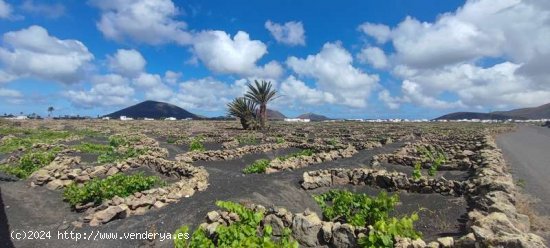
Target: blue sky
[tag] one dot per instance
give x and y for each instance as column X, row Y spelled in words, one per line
column 346, row 59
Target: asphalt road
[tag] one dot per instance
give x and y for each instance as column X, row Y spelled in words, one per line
column 527, row 151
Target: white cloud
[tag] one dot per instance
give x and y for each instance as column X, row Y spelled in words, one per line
column 333, row 70
column 208, row 94
column 513, row 29
column 11, row 96
column 447, row 63
column 172, row 77
column 48, row 10
column 414, row 93
column 373, row 56
column 6, row 77
column 128, row 63
column 153, row 86
column 238, row 55
column 498, row 86
column 107, row 91
column 380, row 32
column 143, row 21
column 5, row 10
column 295, row 90
column 388, row 100
column 32, row 52
column 291, row 33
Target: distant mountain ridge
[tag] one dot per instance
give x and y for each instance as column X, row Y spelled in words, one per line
column 540, row 112
column 313, row 117
column 153, row 109
column 275, row 115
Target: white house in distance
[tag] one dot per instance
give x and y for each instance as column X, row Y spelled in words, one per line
column 124, row 118
column 170, row 119
column 296, row 120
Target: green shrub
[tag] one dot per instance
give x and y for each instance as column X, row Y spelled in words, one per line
column 120, row 148
column 356, row 209
column 87, row 133
column 332, row 142
column 259, row 166
column 31, row 137
column 196, row 144
column 118, row 140
column 363, row 210
column 280, row 140
column 417, row 172
column 93, row 148
column 435, row 156
column 249, row 139
column 97, row 190
column 247, row 232
column 114, row 155
column 30, row 162
column 305, row 152
column 385, row 231
column 12, row 130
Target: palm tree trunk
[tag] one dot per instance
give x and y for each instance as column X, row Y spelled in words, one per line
column 263, row 115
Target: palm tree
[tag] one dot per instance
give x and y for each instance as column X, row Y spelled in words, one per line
column 245, row 110
column 261, row 94
column 50, row 110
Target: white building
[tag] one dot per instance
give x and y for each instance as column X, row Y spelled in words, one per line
column 296, row 120
column 124, row 118
column 170, row 119
column 148, row 119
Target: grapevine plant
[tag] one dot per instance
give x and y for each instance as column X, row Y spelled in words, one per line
column 366, row 211
column 246, row 232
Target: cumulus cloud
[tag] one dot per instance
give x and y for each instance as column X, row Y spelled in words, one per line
column 290, row 33
column 333, row 70
column 172, row 77
column 48, row 10
column 388, row 100
column 128, row 63
column 11, row 96
column 373, row 56
column 106, row 91
column 153, row 86
column 513, row 29
column 6, row 77
column 143, row 21
column 208, row 94
column 297, row 91
column 380, row 32
column 498, row 86
column 32, row 52
column 449, row 56
column 5, row 10
column 238, row 55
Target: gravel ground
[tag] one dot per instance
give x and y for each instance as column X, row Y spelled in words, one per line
column 26, row 208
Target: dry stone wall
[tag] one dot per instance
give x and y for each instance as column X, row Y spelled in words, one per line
column 61, row 172
column 493, row 218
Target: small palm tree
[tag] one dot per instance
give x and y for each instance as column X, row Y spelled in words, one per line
column 245, row 110
column 261, row 94
column 50, row 110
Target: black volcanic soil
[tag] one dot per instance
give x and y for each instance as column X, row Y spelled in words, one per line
column 41, row 209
